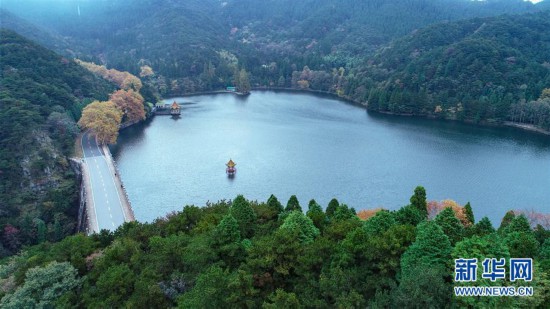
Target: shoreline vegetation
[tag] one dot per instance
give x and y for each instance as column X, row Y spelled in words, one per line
column 487, row 123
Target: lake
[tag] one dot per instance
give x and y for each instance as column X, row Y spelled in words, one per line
column 320, row 147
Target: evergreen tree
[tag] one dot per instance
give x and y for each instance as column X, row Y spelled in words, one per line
column 508, row 217
column 293, row 204
column 343, row 212
column 245, row 216
column 450, row 224
column 41, row 230
column 483, row 227
column 469, row 213
column 227, row 231
column 518, row 224
column 425, row 289
column 210, row 291
column 418, row 200
column 431, row 248
column 298, row 223
column 243, row 85
column 519, row 237
column 380, row 223
column 227, row 241
column 274, row 205
column 316, row 214
column 409, row 215
column 332, row 206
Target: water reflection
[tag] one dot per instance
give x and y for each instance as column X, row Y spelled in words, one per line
column 318, row 147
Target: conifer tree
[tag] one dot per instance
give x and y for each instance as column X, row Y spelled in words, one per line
column 418, row 200
column 469, row 213
column 450, row 224
column 431, row 248
column 274, row 205
column 483, row 227
column 316, row 214
column 298, row 223
column 293, row 204
column 245, row 216
column 508, row 217
column 380, row 223
column 332, row 206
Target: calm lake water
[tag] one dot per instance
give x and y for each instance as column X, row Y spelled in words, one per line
column 319, row 147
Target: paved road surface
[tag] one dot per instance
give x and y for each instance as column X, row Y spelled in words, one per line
column 105, row 196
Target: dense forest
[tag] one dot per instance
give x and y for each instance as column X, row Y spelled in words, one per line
column 42, row 95
column 245, row 254
column 490, row 69
column 476, row 69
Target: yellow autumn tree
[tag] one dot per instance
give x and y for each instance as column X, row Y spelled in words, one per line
column 130, row 103
column 122, row 79
column 102, row 119
column 146, row 71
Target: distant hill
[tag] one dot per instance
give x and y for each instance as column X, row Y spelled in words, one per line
column 46, row 37
column 473, row 69
column 184, row 38
column 42, row 94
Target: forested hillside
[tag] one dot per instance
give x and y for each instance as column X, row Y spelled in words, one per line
column 478, row 69
column 244, row 254
column 42, row 94
column 197, row 45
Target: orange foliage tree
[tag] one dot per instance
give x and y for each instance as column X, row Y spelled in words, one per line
column 366, row 214
column 130, row 103
column 435, row 207
column 103, row 119
column 123, row 80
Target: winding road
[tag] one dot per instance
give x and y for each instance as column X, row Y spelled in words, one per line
column 106, row 199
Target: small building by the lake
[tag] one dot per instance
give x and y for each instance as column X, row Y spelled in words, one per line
column 173, row 109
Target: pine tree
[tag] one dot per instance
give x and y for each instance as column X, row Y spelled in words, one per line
column 298, row 223
column 293, row 204
column 450, row 224
column 469, row 213
column 274, row 205
column 418, row 200
column 431, row 248
column 332, row 206
column 508, row 217
column 380, row 223
column 227, row 231
column 227, row 241
column 245, row 216
column 316, row 214
column 483, row 227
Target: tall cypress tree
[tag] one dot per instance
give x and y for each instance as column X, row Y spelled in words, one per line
column 316, row 214
column 245, row 216
column 293, row 204
column 418, row 200
column 274, row 205
column 469, row 213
